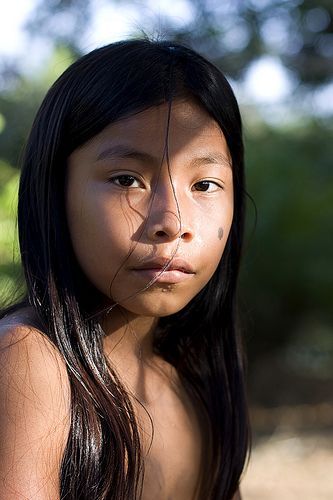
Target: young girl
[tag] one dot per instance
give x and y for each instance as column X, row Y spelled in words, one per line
column 121, row 372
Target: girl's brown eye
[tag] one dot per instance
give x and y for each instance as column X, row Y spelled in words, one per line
column 124, row 180
column 206, row 186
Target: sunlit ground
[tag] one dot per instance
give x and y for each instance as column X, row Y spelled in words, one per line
column 291, row 465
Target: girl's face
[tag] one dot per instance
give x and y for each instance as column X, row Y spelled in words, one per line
column 134, row 206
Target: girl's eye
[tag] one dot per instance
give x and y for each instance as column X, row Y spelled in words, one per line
column 125, row 180
column 206, row 186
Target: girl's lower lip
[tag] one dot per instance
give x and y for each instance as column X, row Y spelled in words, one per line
column 168, row 276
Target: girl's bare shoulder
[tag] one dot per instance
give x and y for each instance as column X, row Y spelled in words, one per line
column 34, row 410
column 25, row 348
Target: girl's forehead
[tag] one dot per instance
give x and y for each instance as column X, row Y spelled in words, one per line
column 183, row 125
column 184, row 129
column 178, row 117
column 183, row 113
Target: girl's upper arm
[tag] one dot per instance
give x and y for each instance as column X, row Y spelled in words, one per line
column 34, row 414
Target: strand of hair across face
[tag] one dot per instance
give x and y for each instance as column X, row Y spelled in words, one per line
column 167, row 264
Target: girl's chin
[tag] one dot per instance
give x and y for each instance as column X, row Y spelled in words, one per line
column 163, row 305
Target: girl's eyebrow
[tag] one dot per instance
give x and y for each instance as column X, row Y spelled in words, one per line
column 212, row 158
column 122, row 151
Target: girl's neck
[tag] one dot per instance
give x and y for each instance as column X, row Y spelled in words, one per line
column 129, row 334
column 128, row 345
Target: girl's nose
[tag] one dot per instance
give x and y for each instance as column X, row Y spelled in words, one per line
column 165, row 226
column 166, row 220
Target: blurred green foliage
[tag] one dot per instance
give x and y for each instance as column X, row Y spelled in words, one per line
column 232, row 33
column 287, row 280
column 9, row 254
column 18, row 106
column 19, row 102
column 288, row 270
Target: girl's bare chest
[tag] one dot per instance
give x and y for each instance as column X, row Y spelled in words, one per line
column 172, row 449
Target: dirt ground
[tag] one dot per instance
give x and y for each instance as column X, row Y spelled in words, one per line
column 290, row 466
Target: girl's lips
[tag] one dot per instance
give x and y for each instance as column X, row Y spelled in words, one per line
column 160, row 276
column 164, row 270
column 167, row 263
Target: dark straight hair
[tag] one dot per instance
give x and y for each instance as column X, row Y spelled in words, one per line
column 103, row 457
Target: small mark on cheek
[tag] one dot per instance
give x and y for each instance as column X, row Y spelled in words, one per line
column 220, row 233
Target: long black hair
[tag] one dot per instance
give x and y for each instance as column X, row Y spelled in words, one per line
column 103, row 457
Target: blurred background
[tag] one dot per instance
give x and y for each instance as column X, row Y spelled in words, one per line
column 278, row 57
